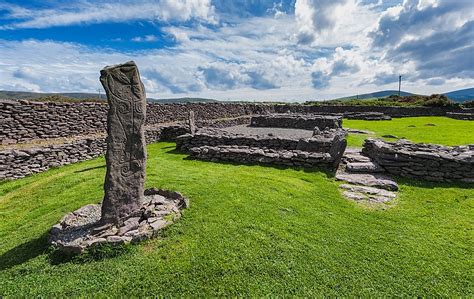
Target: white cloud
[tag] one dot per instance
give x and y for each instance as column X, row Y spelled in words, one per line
column 85, row 12
column 147, row 38
column 262, row 58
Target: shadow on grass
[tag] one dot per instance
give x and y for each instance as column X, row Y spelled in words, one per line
column 57, row 257
column 90, row 168
column 24, row 252
column 415, row 182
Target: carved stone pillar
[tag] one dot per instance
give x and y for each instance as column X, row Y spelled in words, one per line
column 126, row 152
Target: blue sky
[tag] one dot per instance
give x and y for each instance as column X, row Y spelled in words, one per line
column 241, row 49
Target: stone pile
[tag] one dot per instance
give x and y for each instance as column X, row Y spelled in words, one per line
column 297, row 121
column 424, row 161
column 84, row 229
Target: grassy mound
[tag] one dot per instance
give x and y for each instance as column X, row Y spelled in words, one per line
column 250, row 231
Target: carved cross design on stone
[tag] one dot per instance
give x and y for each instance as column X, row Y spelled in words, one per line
column 126, row 155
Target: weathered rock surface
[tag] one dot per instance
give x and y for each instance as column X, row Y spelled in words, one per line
column 126, row 153
column 363, row 167
column 192, row 122
column 83, row 228
column 371, row 180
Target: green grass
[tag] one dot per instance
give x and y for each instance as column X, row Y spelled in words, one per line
column 447, row 131
column 250, row 231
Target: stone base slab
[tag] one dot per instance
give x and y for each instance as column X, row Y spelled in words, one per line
column 82, row 228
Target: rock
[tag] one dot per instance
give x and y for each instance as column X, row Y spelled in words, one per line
column 364, row 167
column 191, row 122
column 126, row 154
column 159, row 224
column 390, row 136
column 371, row 180
column 369, row 190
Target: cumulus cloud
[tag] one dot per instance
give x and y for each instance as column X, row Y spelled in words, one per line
column 89, row 12
column 325, row 49
column 436, row 37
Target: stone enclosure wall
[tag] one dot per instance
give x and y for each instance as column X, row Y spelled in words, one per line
column 297, row 121
column 424, row 161
column 22, row 121
column 19, row 162
column 323, row 149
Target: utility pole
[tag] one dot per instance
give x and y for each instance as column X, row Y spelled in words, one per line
column 399, row 84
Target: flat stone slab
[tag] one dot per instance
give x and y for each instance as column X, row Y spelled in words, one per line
column 364, row 167
column 370, row 180
column 83, row 229
column 369, row 194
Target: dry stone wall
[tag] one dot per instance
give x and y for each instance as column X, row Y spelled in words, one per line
column 461, row 115
column 255, row 155
column 19, row 162
column 297, row 121
column 22, row 121
column 424, row 161
column 390, row 111
column 326, row 148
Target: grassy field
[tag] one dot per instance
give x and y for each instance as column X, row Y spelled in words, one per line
column 250, row 231
column 445, row 131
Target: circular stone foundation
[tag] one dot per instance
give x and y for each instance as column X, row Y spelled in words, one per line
column 82, row 228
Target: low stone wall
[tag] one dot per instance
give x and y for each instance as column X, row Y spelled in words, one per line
column 23, row 121
column 321, row 143
column 424, row 161
column 254, row 155
column 224, row 122
column 367, row 116
column 331, row 142
column 297, row 121
column 462, row 116
column 19, row 162
column 390, row 111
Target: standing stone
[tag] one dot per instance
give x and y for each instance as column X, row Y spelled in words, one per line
column 192, row 122
column 126, row 153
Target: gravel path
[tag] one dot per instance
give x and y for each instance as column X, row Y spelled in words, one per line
column 280, row 132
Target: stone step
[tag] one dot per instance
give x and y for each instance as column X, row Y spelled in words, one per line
column 369, row 190
column 370, row 180
column 363, row 167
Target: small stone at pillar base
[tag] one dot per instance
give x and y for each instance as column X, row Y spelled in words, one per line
column 82, row 229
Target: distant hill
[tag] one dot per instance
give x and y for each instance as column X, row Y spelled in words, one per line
column 461, row 95
column 21, row 95
column 377, row 94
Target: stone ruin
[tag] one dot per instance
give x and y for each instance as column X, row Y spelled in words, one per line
column 424, row 161
column 282, row 139
column 128, row 213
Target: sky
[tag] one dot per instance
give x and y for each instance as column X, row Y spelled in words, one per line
column 261, row 50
